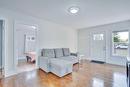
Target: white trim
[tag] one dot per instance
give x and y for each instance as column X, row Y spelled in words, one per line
column 10, row 73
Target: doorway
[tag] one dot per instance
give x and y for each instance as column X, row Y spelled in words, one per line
column 98, row 46
column 25, row 41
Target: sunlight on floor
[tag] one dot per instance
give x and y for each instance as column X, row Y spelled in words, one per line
column 24, row 66
column 98, row 82
column 119, row 78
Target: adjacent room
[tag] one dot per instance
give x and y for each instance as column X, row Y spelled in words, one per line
column 25, row 42
column 64, row 43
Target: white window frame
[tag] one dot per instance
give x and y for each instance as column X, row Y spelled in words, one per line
column 113, row 55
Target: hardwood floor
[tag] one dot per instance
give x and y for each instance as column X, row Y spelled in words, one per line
column 24, row 66
column 86, row 74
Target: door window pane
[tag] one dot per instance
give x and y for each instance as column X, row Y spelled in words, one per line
column 120, row 40
column 98, row 37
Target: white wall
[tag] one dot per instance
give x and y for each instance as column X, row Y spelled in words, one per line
column 55, row 36
column 50, row 35
column 84, row 40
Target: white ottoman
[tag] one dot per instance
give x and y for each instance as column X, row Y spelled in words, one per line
column 60, row 67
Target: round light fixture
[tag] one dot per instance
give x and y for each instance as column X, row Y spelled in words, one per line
column 74, row 10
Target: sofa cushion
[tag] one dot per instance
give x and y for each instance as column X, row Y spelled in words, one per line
column 72, row 59
column 48, row 53
column 66, row 52
column 59, row 62
column 58, row 52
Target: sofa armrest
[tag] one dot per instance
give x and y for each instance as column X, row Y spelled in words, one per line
column 44, row 63
column 45, row 59
column 74, row 54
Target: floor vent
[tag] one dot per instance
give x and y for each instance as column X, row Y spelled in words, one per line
column 100, row 62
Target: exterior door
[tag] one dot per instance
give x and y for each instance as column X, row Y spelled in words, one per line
column 98, row 46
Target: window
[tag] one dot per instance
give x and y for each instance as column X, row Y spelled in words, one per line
column 120, row 40
column 98, row 37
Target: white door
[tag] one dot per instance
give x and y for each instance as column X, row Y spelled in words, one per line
column 98, row 46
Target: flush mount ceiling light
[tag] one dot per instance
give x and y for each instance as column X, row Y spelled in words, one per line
column 73, row 10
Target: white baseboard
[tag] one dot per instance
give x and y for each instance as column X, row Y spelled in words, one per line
column 10, row 73
column 21, row 58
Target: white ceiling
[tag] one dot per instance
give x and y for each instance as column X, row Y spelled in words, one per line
column 92, row 12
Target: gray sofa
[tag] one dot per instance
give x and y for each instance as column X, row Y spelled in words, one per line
column 58, row 61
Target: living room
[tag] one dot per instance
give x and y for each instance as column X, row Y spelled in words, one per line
column 95, row 33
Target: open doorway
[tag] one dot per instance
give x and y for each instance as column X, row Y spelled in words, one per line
column 25, row 39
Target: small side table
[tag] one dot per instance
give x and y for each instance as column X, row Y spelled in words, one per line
column 80, row 58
